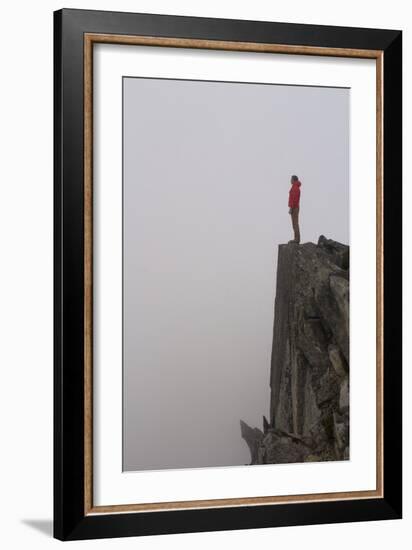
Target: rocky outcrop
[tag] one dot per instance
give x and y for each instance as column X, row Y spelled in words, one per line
column 309, row 379
column 253, row 437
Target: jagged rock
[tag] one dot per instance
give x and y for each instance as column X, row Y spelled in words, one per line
column 253, row 437
column 340, row 291
column 337, row 360
column 313, row 458
column 280, row 448
column 309, row 379
column 340, row 252
column 328, row 388
column 340, row 431
column 344, row 396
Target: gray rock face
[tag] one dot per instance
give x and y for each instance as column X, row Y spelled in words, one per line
column 253, row 437
column 309, row 378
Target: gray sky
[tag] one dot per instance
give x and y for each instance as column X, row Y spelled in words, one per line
column 207, row 169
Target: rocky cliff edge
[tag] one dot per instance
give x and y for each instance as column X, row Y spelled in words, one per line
column 309, row 375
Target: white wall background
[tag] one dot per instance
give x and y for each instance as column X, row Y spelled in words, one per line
column 26, row 143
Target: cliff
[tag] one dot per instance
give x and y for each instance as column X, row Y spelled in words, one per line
column 309, row 377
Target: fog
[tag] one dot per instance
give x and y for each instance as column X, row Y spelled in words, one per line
column 207, row 169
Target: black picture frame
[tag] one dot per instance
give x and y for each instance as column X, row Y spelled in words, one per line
column 71, row 522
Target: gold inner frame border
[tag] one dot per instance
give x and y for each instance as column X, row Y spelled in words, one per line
column 89, row 40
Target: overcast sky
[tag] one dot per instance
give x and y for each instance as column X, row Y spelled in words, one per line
column 207, row 169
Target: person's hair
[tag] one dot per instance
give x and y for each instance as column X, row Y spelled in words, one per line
column 295, row 178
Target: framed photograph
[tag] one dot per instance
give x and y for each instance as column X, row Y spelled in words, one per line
column 228, row 274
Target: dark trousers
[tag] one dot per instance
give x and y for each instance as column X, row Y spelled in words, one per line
column 295, row 223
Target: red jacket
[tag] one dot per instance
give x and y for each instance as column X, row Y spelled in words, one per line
column 294, row 195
